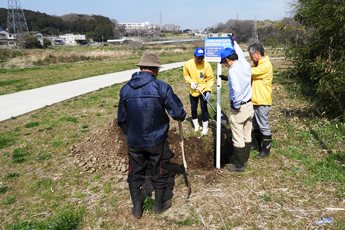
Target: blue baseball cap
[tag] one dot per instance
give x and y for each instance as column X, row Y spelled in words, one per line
column 226, row 52
column 199, row 52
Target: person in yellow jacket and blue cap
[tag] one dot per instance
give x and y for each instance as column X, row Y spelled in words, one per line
column 199, row 76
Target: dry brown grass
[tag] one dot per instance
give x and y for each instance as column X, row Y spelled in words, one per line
column 35, row 58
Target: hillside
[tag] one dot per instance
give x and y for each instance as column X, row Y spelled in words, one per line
column 94, row 26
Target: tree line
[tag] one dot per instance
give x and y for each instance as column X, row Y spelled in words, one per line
column 95, row 27
column 273, row 33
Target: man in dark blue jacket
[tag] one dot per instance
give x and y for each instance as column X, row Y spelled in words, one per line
column 142, row 115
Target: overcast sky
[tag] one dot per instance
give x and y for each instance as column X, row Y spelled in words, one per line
column 193, row 14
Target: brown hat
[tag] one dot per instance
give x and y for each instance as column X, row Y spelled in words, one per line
column 149, row 59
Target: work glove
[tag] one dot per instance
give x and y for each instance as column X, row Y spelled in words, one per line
column 224, row 77
column 193, row 85
column 233, row 39
column 207, row 96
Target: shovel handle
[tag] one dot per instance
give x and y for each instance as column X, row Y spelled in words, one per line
column 185, row 175
column 182, row 145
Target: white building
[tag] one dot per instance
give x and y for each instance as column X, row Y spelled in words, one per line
column 73, row 39
column 7, row 40
column 136, row 25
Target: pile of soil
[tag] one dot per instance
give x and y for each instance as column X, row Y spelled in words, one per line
column 107, row 148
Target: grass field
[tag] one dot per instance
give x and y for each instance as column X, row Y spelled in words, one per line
column 37, row 68
column 40, row 186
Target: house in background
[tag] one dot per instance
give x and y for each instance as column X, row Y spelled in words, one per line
column 73, row 39
column 7, row 40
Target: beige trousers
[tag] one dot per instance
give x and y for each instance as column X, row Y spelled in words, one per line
column 241, row 124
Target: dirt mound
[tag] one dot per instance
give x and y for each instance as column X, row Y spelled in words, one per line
column 107, row 148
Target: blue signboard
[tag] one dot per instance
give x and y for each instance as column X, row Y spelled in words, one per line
column 213, row 47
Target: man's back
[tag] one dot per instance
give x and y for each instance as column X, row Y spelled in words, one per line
column 142, row 110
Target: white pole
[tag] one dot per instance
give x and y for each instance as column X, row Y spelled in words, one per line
column 218, row 137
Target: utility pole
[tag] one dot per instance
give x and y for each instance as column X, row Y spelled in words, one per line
column 255, row 32
column 16, row 22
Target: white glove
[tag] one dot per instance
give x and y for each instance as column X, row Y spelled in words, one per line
column 193, row 85
column 207, row 96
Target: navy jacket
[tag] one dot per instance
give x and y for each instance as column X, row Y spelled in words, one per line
column 142, row 115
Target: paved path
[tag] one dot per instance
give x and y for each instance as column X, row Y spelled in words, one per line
column 15, row 104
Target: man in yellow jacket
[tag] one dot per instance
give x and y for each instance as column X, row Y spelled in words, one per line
column 262, row 76
column 199, row 76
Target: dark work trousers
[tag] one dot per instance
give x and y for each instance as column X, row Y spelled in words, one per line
column 194, row 101
column 159, row 159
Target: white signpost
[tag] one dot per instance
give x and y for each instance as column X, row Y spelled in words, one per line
column 213, row 46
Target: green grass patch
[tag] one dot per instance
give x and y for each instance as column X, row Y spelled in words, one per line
column 107, row 188
column 32, row 124
column 20, row 155
column 3, row 189
column 266, row 197
column 148, row 204
column 190, row 221
column 57, row 143
column 43, row 156
column 6, row 140
column 66, row 220
column 9, row 82
column 69, row 119
column 9, row 200
column 45, row 184
column 11, row 175
column 328, row 169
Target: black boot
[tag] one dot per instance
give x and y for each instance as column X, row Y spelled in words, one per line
column 160, row 203
column 247, row 152
column 138, row 202
column 238, row 160
column 265, row 147
column 256, row 140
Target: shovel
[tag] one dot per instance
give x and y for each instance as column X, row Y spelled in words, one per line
column 185, row 174
column 224, row 119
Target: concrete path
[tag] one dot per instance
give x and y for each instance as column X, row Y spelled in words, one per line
column 15, row 104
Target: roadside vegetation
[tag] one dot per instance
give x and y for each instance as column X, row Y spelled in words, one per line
column 318, row 55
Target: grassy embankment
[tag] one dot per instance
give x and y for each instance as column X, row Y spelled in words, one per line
column 40, row 185
column 22, row 70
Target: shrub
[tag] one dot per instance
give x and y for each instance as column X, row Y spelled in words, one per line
column 318, row 55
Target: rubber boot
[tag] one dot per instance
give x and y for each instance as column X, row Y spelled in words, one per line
column 138, row 202
column 265, row 147
column 238, row 160
column 256, row 140
column 160, row 204
column 169, row 191
column 196, row 125
column 204, row 128
column 247, row 152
